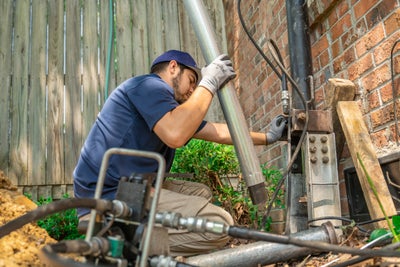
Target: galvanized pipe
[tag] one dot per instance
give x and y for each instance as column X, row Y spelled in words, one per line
column 249, row 163
column 263, row 253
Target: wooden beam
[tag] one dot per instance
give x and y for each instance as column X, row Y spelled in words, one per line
column 338, row 90
column 359, row 142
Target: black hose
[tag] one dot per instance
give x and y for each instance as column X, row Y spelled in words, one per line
column 49, row 254
column 246, row 233
column 359, row 259
column 56, row 206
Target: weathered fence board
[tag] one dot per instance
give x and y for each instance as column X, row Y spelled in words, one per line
column 37, row 108
column 90, row 76
column 124, row 40
column 141, row 59
column 55, row 84
column 19, row 95
column 6, row 9
column 54, row 69
column 73, row 69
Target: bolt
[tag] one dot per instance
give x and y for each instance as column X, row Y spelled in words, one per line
column 325, row 159
column 324, row 139
column 313, row 159
column 313, row 149
column 301, row 116
column 324, row 149
column 312, row 139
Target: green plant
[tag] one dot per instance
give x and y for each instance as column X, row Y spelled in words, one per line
column 209, row 162
column 61, row 225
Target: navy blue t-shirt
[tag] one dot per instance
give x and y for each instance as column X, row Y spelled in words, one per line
column 126, row 121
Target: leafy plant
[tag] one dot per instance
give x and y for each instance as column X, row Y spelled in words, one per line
column 61, row 225
column 212, row 164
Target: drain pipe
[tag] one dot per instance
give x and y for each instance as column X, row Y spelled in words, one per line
column 299, row 48
column 263, row 253
column 301, row 71
column 244, row 147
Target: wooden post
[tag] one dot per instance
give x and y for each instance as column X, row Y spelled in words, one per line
column 338, row 90
column 359, row 142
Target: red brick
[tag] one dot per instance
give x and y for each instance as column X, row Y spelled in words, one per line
column 393, row 22
column 324, row 58
column 370, row 40
column 362, row 7
column 379, row 138
column 343, row 25
column 376, row 78
column 336, row 48
column 359, row 67
column 386, row 93
column 342, row 8
column 373, row 100
column 320, row 46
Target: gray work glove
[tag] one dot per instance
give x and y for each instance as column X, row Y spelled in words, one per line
column 276, row 129
column 217, row 73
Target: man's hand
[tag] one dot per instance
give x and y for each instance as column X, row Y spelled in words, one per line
column 217, row 73
column 276, row 129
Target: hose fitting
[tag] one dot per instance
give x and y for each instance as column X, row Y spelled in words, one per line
column 193, row 224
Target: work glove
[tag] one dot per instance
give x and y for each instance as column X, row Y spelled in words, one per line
column 276, row 129
column 217, row 73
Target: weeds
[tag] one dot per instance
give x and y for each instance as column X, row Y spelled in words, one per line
column 215, row 165
column 61, row 225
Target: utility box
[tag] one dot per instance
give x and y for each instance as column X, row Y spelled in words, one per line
column 357, row 205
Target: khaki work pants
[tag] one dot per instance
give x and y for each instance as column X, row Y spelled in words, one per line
column 192, row 200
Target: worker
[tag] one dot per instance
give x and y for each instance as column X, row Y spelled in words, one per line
column 160, row 112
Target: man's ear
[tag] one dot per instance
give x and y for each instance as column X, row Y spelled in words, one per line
column 173, row 66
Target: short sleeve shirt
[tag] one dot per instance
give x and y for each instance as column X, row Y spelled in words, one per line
column 126, row 121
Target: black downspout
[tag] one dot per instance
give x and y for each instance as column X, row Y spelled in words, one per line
column 301, row 72
column 299, row 48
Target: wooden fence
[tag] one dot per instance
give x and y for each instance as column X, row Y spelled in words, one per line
column 53, row 74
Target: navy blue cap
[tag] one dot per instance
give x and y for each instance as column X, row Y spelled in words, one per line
column 182, row 58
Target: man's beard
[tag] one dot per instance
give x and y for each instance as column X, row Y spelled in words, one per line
column 175, row 86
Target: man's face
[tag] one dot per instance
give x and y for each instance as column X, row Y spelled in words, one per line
column 184, row 83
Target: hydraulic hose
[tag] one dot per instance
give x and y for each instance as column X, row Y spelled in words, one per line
column 49, row 253
column 56, row 206
column 246, row 233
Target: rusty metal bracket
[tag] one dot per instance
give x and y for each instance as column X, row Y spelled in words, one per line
column 319, row 121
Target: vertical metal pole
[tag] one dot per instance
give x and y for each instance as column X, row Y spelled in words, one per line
column 250, row 164
column 301, row 70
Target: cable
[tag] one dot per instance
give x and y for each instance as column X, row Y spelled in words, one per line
column 246, row 233
column 278, row 58
column 361, row 258
column 53, row 207
column 394, row 92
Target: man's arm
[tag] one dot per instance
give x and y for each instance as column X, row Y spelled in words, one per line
column 219, row 133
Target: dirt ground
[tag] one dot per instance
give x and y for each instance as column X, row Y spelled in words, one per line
column 21, row 247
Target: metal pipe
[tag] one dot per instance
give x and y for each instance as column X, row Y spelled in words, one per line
column 244, row 147
column 263, row 253
column 299, row 48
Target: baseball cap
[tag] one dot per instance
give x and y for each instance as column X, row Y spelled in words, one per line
column 182, row 58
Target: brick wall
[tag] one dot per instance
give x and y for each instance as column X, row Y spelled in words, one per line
column 350, row 39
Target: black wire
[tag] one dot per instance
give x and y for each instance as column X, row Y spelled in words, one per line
column 394, row 92
column 254, row 42
column 247, row 233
